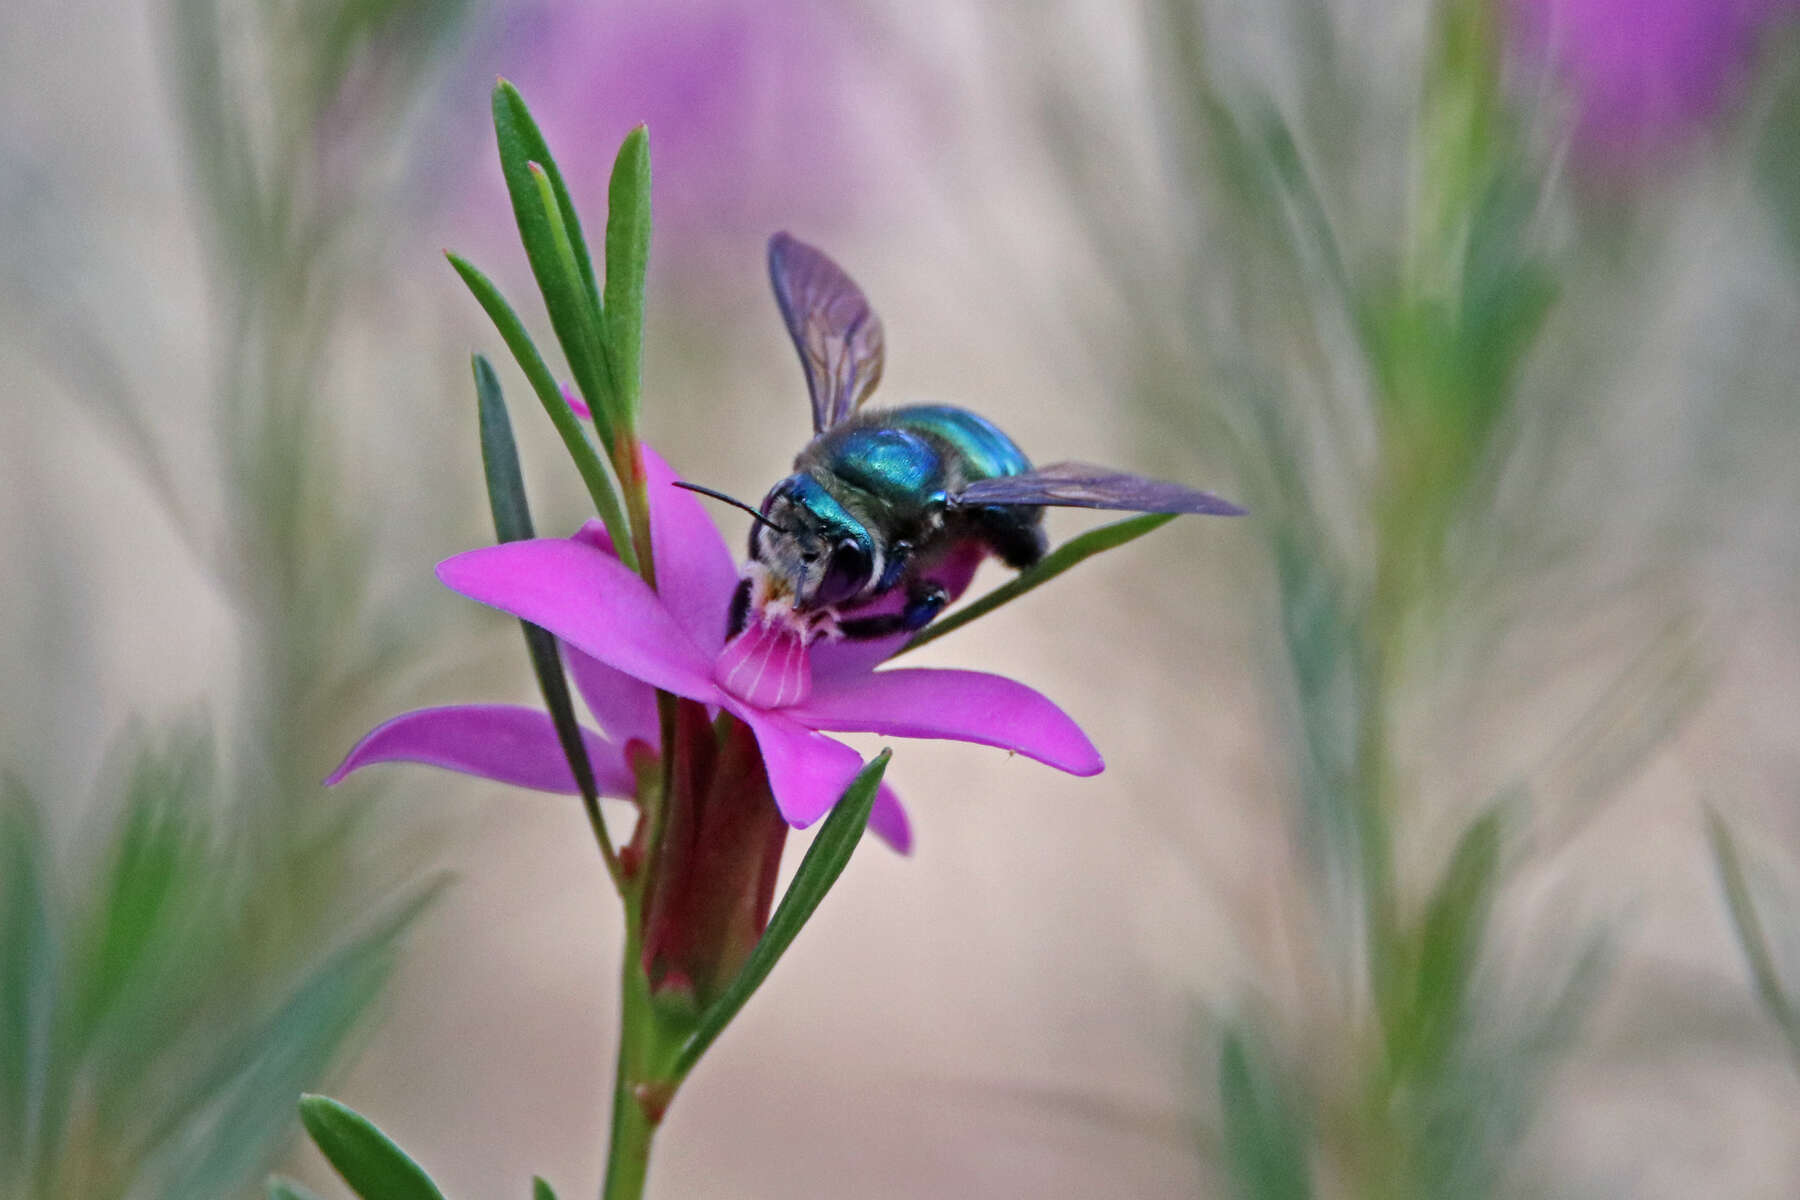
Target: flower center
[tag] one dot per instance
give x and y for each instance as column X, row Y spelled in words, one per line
column 766, row 665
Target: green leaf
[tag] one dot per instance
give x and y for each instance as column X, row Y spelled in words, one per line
column 627, row 261
column 1750, row 935
column 568, row 426
column 541, row 1190
column 825, row 860
column 154, row 930
column 524, row 143
column 551, row 233
column 512, row 523
column 1071, row 552
column 370, row 1163
column 500, row 456
column 237, row 1108
column 28, row 972
column 1264, row 1140
column 1449, row 946
column 605, row 404
column 281, row 1188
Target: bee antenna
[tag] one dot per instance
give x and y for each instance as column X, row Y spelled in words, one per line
column 731, row 500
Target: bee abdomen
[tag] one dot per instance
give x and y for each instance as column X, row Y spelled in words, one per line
column 1015, row 535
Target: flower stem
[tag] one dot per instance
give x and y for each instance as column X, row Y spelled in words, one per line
column 643, row 1081
column 628, row 1154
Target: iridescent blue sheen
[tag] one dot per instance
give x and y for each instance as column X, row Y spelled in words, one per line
column 987, row 453
column 896, row 465
column 832, row 520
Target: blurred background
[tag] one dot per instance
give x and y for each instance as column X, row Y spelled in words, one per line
column 1448, row 845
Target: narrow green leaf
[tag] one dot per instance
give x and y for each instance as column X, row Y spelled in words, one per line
column 1071, row 552
column 526, row 144
column 1748, row 926
column 605, row 405
column 1264, row 1140
column 161, row 916
column 512, row 523
column 370, row 1163
column 281, row 1188
column 500, row 456
column 627, row 261
column 28, row 972
column 236, row 1109
column 551, row 233
column 541, row 1190
column 1450, row 938
column 825, row 860
column 568, row 426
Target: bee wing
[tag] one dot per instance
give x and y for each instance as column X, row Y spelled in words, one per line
column 1083, row 485
column 836, row 332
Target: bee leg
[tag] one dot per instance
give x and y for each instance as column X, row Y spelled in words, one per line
column 924, row 601
column 738, row 615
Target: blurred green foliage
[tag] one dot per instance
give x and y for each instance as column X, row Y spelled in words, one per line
column 141, row 1055
column 1338, row 275
column 169, row 1000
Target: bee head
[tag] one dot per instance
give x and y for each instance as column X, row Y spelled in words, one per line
column 813, row 552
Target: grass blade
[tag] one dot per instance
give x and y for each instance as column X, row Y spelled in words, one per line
column 825, row 860
column 540, row 1190
column 370, row 1163
column 1071, row 552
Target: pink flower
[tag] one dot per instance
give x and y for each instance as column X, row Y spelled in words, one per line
column 754, row 109
column 624, row 639
column 1644, row 72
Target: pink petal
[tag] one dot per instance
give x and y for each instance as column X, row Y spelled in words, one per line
column 807, row 771
column 594, row 534
column 624, row 706
column 766, row 666
column 494, row 741
column 695, row 573
column 589, row 599
column 887, row 821
column 969, row 706
column 573, row 399
column 833, row 660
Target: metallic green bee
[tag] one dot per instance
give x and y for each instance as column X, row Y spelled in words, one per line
column 888, row 511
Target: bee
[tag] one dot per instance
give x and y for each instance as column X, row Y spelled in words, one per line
column 889, row 511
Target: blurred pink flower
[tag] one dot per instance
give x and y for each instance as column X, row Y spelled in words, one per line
column 624, row 640
column 1644, row 73
column 750, row 105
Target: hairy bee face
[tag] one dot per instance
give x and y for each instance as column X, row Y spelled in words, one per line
column 813, row 554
